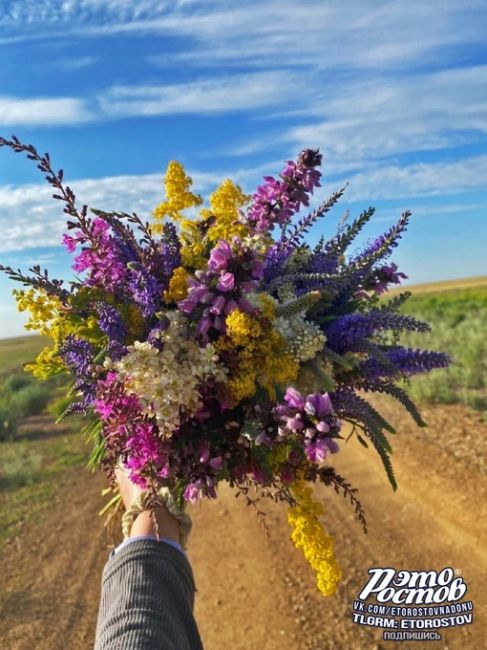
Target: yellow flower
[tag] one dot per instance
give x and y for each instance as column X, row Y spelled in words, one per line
column 225, row 203
column 50, row 318
column 178, row 285
column 178, row 195
column 256, row 356
column 46, row 364
column 241, row 327
column 193, row 255
column 308, row 534
column 44, row 309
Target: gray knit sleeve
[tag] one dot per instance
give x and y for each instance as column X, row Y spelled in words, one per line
column 147, row 599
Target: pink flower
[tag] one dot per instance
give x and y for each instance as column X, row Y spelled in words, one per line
column 220, row 255
column 294, row 398
column 226, row 282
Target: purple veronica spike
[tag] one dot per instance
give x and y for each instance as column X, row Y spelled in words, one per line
column 110, row 322
column 347, row 331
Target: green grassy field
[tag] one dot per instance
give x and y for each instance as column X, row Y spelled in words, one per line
column 458, row 317
column 15, row 352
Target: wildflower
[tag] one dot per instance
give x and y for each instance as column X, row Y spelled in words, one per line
column 308, row 534
column 276, row 201
column 225, row 204
column 178, row 195
column 178, row 286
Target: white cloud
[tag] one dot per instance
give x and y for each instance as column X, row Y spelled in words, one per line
column 77, row 63
column 228, row 93
column 419, row 179
column 373, row 119
column 43, row 111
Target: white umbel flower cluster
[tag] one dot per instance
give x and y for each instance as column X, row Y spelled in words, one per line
column 304, row 339
column 166, row 380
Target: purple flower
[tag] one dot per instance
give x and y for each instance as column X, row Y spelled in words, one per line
column 226, row 282
column 294, row 398
column 404, row 360
column 77, row 354
column 233, row 270
column 103, row 256
column 110, row 322
column 348, row 331
column 310, row 421
column 145, row 290
column 220, row 255
column 276, row 201
column 317, row 450
column 318, row 405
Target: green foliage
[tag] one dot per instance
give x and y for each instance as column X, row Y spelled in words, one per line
column 17, row 381
column 19, row 465
column 8, row 420
column 58, row 406
column 15, row 352
column 30, row 400
column 459, row 327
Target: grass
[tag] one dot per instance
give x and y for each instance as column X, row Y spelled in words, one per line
column 36, row 455
column 458, row 316
column 15, row 352
column 31, row 468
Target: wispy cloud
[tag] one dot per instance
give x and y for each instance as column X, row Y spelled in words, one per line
column 388, row 115
column 420, row 179
column 43, row 111
column 75, row 63
column 227, row 93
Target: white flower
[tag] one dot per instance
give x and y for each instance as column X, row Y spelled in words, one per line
column 166, row 381
column 304, row 339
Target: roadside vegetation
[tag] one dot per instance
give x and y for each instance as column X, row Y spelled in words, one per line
column 458, row 317
column 35, row 453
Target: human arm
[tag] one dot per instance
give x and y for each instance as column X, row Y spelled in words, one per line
column 147, row 593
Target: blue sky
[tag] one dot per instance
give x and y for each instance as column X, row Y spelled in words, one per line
column 393, row 93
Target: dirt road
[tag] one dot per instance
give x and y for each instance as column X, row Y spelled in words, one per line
column 255, row 593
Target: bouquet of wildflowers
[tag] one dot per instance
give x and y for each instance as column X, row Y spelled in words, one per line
column 223, row 347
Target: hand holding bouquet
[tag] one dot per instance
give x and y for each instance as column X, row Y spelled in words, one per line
column 224, row 348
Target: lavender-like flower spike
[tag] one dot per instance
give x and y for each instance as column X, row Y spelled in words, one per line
column 383, row 246
column 404, row 360
column 170, row 249
column 110, row 322
column 276, row 201
column 145, row 289
column 347, row 331
column 77, row 354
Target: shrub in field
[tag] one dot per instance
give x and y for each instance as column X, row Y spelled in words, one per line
column 19, row 465
column 8, row 420
column 31, row 400
column 17, row 381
